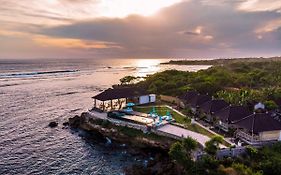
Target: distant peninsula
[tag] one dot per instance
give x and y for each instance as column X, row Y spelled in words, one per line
column 220, row 61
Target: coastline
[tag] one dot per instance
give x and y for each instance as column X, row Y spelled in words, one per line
column 137, row 143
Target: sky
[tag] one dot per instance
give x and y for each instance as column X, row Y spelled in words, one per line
column 139, row 28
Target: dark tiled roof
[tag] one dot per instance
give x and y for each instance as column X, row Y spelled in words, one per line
column 189, row 95
column 196, row 101
column 213, row 106
column 117, row 93
column 259, row 122
column 232, row 113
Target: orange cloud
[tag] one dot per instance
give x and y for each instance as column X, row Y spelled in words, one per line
column 12, row 33
column 73, row 43
column 269, row 26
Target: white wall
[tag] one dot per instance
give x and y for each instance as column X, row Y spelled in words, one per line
column 152, row 98
column 147, row 99
column 144, row 99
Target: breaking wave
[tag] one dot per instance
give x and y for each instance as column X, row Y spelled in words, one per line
column 23, row 74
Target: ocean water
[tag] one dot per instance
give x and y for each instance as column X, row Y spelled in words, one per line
column 33, row 93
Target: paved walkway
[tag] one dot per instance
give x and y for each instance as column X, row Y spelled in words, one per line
column 181, row 132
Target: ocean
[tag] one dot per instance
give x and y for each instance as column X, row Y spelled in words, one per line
column 36, row 92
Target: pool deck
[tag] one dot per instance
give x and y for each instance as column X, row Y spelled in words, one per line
column 169, row 129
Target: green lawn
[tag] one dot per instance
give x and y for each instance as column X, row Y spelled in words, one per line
column 162, row 111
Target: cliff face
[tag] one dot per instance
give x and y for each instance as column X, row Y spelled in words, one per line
column 133, row 137
column 138, row 143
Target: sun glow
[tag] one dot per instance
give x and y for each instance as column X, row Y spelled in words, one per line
column 123, row 8
column 147, row 66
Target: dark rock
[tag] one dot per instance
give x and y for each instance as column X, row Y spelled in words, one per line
column 74, row 122
column 53, row 124
column 65, row 124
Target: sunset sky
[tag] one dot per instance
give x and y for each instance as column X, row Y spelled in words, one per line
column 139, row 28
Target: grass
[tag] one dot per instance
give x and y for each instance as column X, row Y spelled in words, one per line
column 162, row 111
column 199, row 129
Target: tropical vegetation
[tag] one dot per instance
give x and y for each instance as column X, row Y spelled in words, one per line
column 235, row 82
column 256, row 161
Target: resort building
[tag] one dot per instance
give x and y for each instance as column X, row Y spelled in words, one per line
column 197, row 101
column 117, row 98
column 258, row 128
column 186, row 98
column 211, row 107
column 227, row 116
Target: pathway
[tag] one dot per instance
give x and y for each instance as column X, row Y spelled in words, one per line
column 181, row 132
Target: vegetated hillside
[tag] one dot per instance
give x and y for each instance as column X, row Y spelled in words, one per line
column 236, row 82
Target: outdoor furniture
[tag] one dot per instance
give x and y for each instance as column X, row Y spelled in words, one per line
column 153, row 113
column 168, row 116
column 129, row 107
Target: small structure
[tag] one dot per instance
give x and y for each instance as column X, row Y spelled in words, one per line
column 258, row 128
column 211, row 107
column 259, row 106
column 117, row 98
column 227, row 116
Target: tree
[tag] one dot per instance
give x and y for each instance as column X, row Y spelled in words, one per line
column 244, row 170
column 212, row 146
column 127, row 80
column 270, row 105
column 181, row 153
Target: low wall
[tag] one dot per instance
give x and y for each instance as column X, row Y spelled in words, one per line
column 166, row 134
column 123, row 123
column 173, row 100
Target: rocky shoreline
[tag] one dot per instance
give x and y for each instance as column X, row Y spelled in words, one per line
column 137, row 143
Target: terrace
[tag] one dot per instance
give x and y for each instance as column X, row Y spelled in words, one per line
column 247, row 137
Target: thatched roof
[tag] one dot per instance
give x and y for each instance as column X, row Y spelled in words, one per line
column 117, row 93
column 232, row 113
column 259, row 122
column 189, row 95
column 198, row 100
column 212, row 106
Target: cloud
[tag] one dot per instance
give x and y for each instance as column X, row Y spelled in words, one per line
column 73, row 43
column 47, row 12
column 191, row 28
column 261, row 5
column 194, row 28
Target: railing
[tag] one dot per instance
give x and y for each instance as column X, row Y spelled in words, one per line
column 223, row 126
column 247, row 137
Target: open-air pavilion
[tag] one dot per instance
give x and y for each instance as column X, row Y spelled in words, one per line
column 117, row 98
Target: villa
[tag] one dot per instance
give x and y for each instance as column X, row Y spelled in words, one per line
column 227, row 116
column 210, row 107
column 258, row 128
